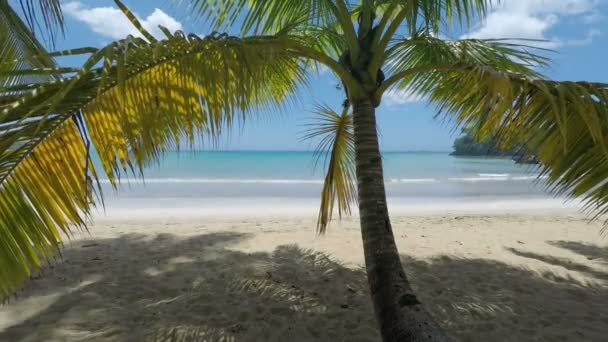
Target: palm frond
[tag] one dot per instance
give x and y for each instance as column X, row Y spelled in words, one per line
column 432, row 14
column 326, row 40
column 336, row 142
column 380, row 8
column 493, row 87
column 133, row 100
column 133, row 19
column 43, row 15
column 414, row 63
column 267, row 16
column 44, row 194
column 423, row 47
column 563, row 124
column 19, row 48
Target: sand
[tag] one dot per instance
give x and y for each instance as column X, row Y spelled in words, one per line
column 509, row 277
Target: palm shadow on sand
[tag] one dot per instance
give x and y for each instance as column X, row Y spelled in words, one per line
column 591, row 252
column 165, row 288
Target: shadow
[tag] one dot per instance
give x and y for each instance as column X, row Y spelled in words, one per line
column 591, row 252
column 563, row 262
column 166, row 288
column 486, row 300
column 138, row 288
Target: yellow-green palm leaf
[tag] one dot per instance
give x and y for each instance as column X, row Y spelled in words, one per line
column 336, row 146
column 493, row 87
column 563, row 124
column 133, row 100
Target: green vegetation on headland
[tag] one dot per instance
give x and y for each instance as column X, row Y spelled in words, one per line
column 466, row 145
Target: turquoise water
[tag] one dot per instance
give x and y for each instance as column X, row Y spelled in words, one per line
column 293, row 174
column 294, row 166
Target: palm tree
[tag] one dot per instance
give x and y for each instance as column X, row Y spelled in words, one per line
column 137, row 97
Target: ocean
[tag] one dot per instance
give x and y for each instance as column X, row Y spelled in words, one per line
column 257, row 182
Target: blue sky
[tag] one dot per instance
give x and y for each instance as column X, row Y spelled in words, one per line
column 576, row 29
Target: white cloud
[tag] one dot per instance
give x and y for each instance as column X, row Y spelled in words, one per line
column 561, row 7
column 515, row 25
column 531, row 19
column 112, row 23
column 401, row 96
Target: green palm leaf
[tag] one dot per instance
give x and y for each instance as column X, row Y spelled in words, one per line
column 49, row 10
column 417, row 63
column 133, row 100
column 429, row 15
column 563, row 124
column 435, row 13
column 19, row 48
column 268, row 16
column 40, row 19
column 336, row 142
column 492, row 86
column 326, row 24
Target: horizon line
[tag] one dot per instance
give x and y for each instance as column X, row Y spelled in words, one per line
column 312, row 151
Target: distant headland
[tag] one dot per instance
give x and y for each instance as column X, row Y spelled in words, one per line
column 467, row 146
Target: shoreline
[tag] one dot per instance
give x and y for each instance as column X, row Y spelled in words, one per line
column 276, row 207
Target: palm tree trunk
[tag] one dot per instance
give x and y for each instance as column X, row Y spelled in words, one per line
column 400, row 315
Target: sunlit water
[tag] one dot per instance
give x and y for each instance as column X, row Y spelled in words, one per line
column 213, row 181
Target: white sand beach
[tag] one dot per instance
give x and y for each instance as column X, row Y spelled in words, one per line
column 485, row 277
